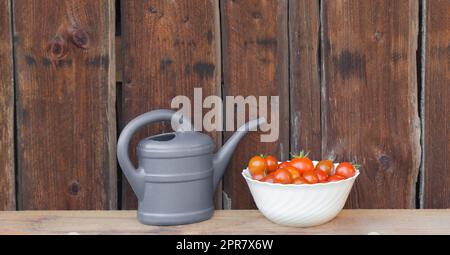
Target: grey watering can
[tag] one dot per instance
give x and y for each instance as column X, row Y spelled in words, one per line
column 177, row 172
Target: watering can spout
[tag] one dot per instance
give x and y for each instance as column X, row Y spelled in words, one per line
column 223, row 156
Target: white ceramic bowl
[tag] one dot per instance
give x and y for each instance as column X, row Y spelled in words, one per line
column 304, row 205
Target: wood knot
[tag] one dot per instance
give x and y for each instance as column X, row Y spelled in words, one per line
column 165, row 63
column 74, row 188
column 350, row 64
column 256, row 15
column 204, row 70
column 80, row 38
column 385, row 161
column 377, row 36
column 57, row 47
column 152, row 9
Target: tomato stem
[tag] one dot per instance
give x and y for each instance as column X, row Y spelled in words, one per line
column 355, row 165
column 302, row 154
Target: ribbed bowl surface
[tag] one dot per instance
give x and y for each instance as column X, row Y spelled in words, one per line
column 303, row 205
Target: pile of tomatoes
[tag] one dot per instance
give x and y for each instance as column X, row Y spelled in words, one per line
column 299, row 170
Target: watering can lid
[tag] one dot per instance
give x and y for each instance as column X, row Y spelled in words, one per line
column 175, row 144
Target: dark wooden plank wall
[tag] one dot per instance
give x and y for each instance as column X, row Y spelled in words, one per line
column 64, row 64
column 169, row 48
column 346, row 71
column 436, row 105
column 7, row 179
column 255, row 62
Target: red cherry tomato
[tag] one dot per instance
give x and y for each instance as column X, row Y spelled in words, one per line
column 258, row 176
column 310, row 177
column 293, row 171
column 300, row 180
column 272, row 163
column 321, row 175
column 257, row 165
column 282, row 176
column 325, row 165
column 284, row 164
column 302, row 163
column 269, row 178
column 345, row 170
column 335, row 178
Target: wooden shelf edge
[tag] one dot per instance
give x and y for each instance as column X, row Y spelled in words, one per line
column 232, row 222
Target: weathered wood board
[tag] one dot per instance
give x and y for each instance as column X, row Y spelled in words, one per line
column 64, row 56
column 169, row 48
column 305, row 87
column 7, row 177
column 436, row 105
column 255, row 63
column 369, row 98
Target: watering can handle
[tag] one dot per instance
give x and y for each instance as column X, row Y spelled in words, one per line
column 136, row 176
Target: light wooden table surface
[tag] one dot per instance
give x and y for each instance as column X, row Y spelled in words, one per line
column 224, row 222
